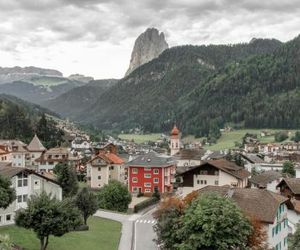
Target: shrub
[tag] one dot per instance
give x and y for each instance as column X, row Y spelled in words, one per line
column 144, row 204
column 140, row 194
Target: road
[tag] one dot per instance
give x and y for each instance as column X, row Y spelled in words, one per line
column 144, row 233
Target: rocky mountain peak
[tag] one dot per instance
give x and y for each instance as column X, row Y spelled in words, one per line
column 148, row 46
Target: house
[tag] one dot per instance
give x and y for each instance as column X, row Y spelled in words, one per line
column 266, row 180
column 189, row 157
column 48, row 159
column 4, row 153
column 267, row 207
column 216, row 172
column 175, row 143
column 18, row 154
column 26, row 183
column 35, row 150
column 151, row 172
column 80, row 143
column 290, row 187
column 105, row 167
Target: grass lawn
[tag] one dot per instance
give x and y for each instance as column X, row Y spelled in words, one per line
column 103, row 234
column 140, row 138
column 228, row 139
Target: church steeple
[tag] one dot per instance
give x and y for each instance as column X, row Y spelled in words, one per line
column 175, row 141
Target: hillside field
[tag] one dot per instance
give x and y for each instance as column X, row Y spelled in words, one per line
column 140, row 138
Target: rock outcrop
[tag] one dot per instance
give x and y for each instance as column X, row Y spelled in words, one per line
column 148, row 46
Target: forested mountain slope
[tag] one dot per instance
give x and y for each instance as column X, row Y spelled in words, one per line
column 153, row 94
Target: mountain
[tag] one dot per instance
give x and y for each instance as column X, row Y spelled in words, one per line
column 148, row 45
column 258, row 92
column 72, row 103
column 36, row 84
column 21, row 120
column 154, row 95
column 27, row 73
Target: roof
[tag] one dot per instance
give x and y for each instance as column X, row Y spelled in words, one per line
column 35, row 145
column 175, row 131
column 264, row 178
column 253, row 158
column 14, row 145
column 110, row 158
column 292, row 183
column 260, row 203
column 190, row 154
column 152, row 159
column 226, row 166
column 9, row 172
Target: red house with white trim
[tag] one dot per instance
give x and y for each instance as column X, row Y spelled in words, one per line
column 149, row 172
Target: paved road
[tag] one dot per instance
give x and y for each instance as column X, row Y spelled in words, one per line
column 144, row 233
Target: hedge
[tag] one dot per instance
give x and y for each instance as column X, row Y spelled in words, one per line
column 146, row 203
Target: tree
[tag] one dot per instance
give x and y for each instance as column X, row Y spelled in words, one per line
column 213, row 222
column 7, row 194
column 114, row 196
column 67, row 178
column 48, row 216
column 295, row 240
column 296, row 138
column 254, row 171
column 87, row 203
column 281, row 136
column 168, row 223
column 289, row 168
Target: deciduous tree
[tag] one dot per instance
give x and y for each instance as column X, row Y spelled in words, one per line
column 289, row 168
column 7, row 194
column 87, row 203
column 48, row 216
column 114, row 196
column 67, row 178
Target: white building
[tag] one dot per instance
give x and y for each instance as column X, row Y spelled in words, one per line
column 35, row 150
column 215, row 173
column 26, row 183
column 267, row 207
column 18, row 154
column 80, row 143
column 266, row 180
column 105, row 167
column 189, row 157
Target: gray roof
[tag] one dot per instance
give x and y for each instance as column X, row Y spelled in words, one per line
column 15, row 145
column 253, row 158
column 35, row 145
column 152, row 159
column 264, row 178
column 190, row 154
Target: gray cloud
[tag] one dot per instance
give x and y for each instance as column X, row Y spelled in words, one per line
column 30, row 24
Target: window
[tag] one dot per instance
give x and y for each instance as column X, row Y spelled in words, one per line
column 156, row 180
column 147, row 184
column 8, row 217
column 203, row 172
column 134, row 170
column 216, row 172
column 198, row 182
column 24, row 197
column 147, row 190
column 20, row 182
column 134, row 189
column 134, row 179
column 99, row 168
column 147, row 169
column 155, row 171
column 111, row 168
column 19, row 198
column 0, row 218
column 216, row 183
column 147, row 175
column 99, row 177
column 203, row 182
column 25, row 182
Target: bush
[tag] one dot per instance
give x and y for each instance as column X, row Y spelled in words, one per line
column 82, row 228
column 144, row 204
column 281, row 136
column 156, row 194
column 140, row 194
column 114, row 196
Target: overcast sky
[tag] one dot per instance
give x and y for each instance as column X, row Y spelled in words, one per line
column 95, row 37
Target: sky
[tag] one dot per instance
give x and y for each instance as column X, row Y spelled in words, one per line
column 96, row 37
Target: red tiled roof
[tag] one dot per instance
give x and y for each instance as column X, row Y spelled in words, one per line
column 175, row 131
column 113, row 158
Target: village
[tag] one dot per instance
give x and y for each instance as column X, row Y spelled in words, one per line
column 254, row 176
